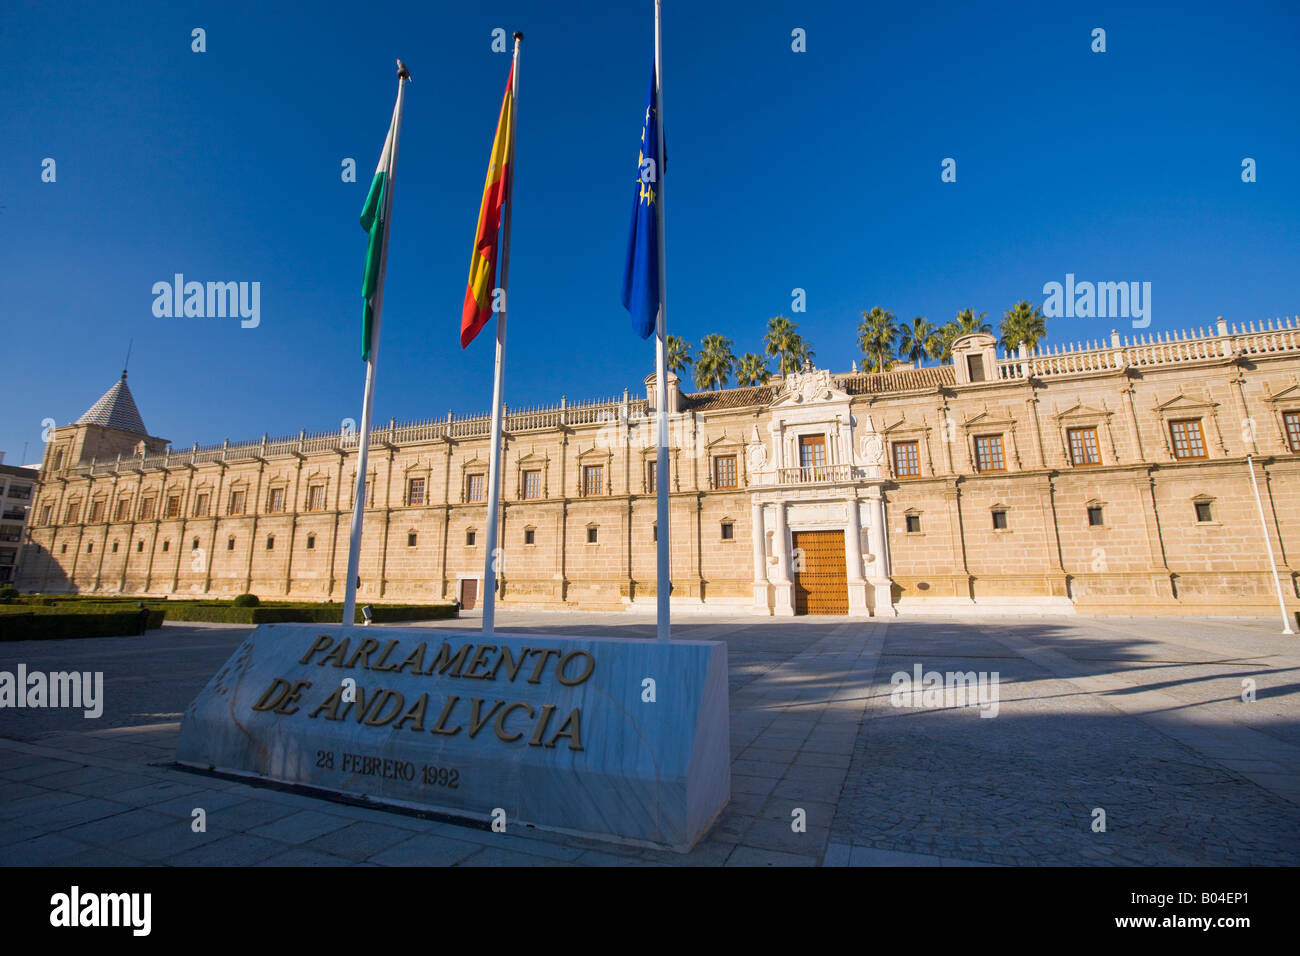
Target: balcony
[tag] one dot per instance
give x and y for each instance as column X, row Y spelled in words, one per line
column 815, row 474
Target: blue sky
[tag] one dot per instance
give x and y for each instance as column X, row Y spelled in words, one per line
column 817, row 170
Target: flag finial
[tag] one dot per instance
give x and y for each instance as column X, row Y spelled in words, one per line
column 402, row 72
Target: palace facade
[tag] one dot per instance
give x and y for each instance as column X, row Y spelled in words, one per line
column 1110, row 477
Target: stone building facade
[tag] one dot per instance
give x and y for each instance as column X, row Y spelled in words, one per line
column 1110, row 477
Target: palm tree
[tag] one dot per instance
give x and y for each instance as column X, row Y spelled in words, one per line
column 714, row 363
column 678, row 354
column 964, row 324
column 920, row 340
column 877, row 335
column 1023, row 323
column 786, row 345
column 752, row 370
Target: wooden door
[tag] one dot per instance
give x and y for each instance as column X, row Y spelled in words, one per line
column 468, row 593
column 822, row 586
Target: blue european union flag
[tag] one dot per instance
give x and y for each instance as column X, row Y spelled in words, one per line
column 641, row 272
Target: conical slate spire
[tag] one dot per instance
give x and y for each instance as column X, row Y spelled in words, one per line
column 115, row 409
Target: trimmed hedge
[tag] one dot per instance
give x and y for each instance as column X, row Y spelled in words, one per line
column 41, row 625
column 222, row 613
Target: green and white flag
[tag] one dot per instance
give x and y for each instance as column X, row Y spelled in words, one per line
column 374, row 217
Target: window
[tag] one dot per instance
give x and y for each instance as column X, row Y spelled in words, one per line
column 146, row 509
column 1083, row 446
column 999, row 519
column 913, row 524
column 174, row 506
column 1188, row 440
column 311, row 542
column 65, row 550
column 654, row 532
column 166, row 545
column 90, row 547
column 593, row 479
column 1203, row 511
column 96, row 511
column 724, row 471
column 275, row 500
column 270, row 542
column 230, row 544
column 410, row 539
column 237, row 502
column 812, row 456
column 533, row 483
column 530, row 536
column 975, row 365
column 651, row 476
column 71, row 515
column 1292, row 422
column 195, row 545
column 316, row 497
column 592, row 534
column 20, row 492
column 469, row 539
column 728, row 531
column 123, row 506
column 58, row 459
column 414, row 491
column 115, row 547
column 907, row 462
column 474, row 487
column 139, row 546
column 988, row 453
column 45, row 514
column 1095, row 519
column 201, row 504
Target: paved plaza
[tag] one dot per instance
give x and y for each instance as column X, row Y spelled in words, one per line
column 1142, row 719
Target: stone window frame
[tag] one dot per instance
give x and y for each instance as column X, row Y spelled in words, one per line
column 1183, row 408
column 908, row 515
column 310, row 542
column 372, row 479
column 412, row 538
column 986, row 424
column 592, row 536
column 1281, row 404
column 122, row 507
column 473, row 468
column 530, row 536
column 47, row 510
column 650, row 455
column 202, row 490
column 230, row 542
column 1288, row 416
column 98, row 510
column 270, row 542
column 530, row 463
column 238, row 486
column 727, row 447
column 1087, row 514
column 148, row 500
column 114, row 548
column 901, row 432
column 281, row 485
column 1208, row 501
column 471, row 537
column 1082, row 416
column 1005, row 511
column 321, row 480
column 72, row 511
column 1001, row 456
column 139, row 546
column 595, row 457
column 179, row 512
column 417, row 471
column 724, row 522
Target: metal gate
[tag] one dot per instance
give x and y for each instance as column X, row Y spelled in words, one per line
column 822, row 586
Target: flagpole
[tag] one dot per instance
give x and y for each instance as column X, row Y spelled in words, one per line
column 663, row 572
column 491, row 564
column 367, row 403
column 1268, row 545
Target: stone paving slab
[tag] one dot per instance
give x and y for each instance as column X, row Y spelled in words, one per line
column 1142, row 717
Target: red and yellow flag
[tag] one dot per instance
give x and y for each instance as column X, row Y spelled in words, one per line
column 483, row 261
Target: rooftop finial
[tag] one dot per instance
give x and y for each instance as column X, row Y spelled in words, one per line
column 127, row 361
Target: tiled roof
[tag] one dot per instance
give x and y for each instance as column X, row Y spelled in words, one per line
column 871, row 383
column 115, row 409
column 730, row 398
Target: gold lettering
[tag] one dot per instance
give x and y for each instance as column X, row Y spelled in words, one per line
column 541, row 663
column 446, row 659
column 416, row 660
column 322, row 642
column 379, row 664
column 547, row 710
column 331, row 703
column 480, row 658
column 501, row 722
column 559, row 668
column 574, row 735
column 475, row 723
column 446, row 712
column 513, row 668
column 416, row 713
column 336, row 655
column 294, row 695
column 361, row 706
column 384, row 699
column 280, row 688
column 368, row 646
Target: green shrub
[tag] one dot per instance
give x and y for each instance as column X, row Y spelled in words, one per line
column 7, row 595
column 39, row 624
column 246, row 600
